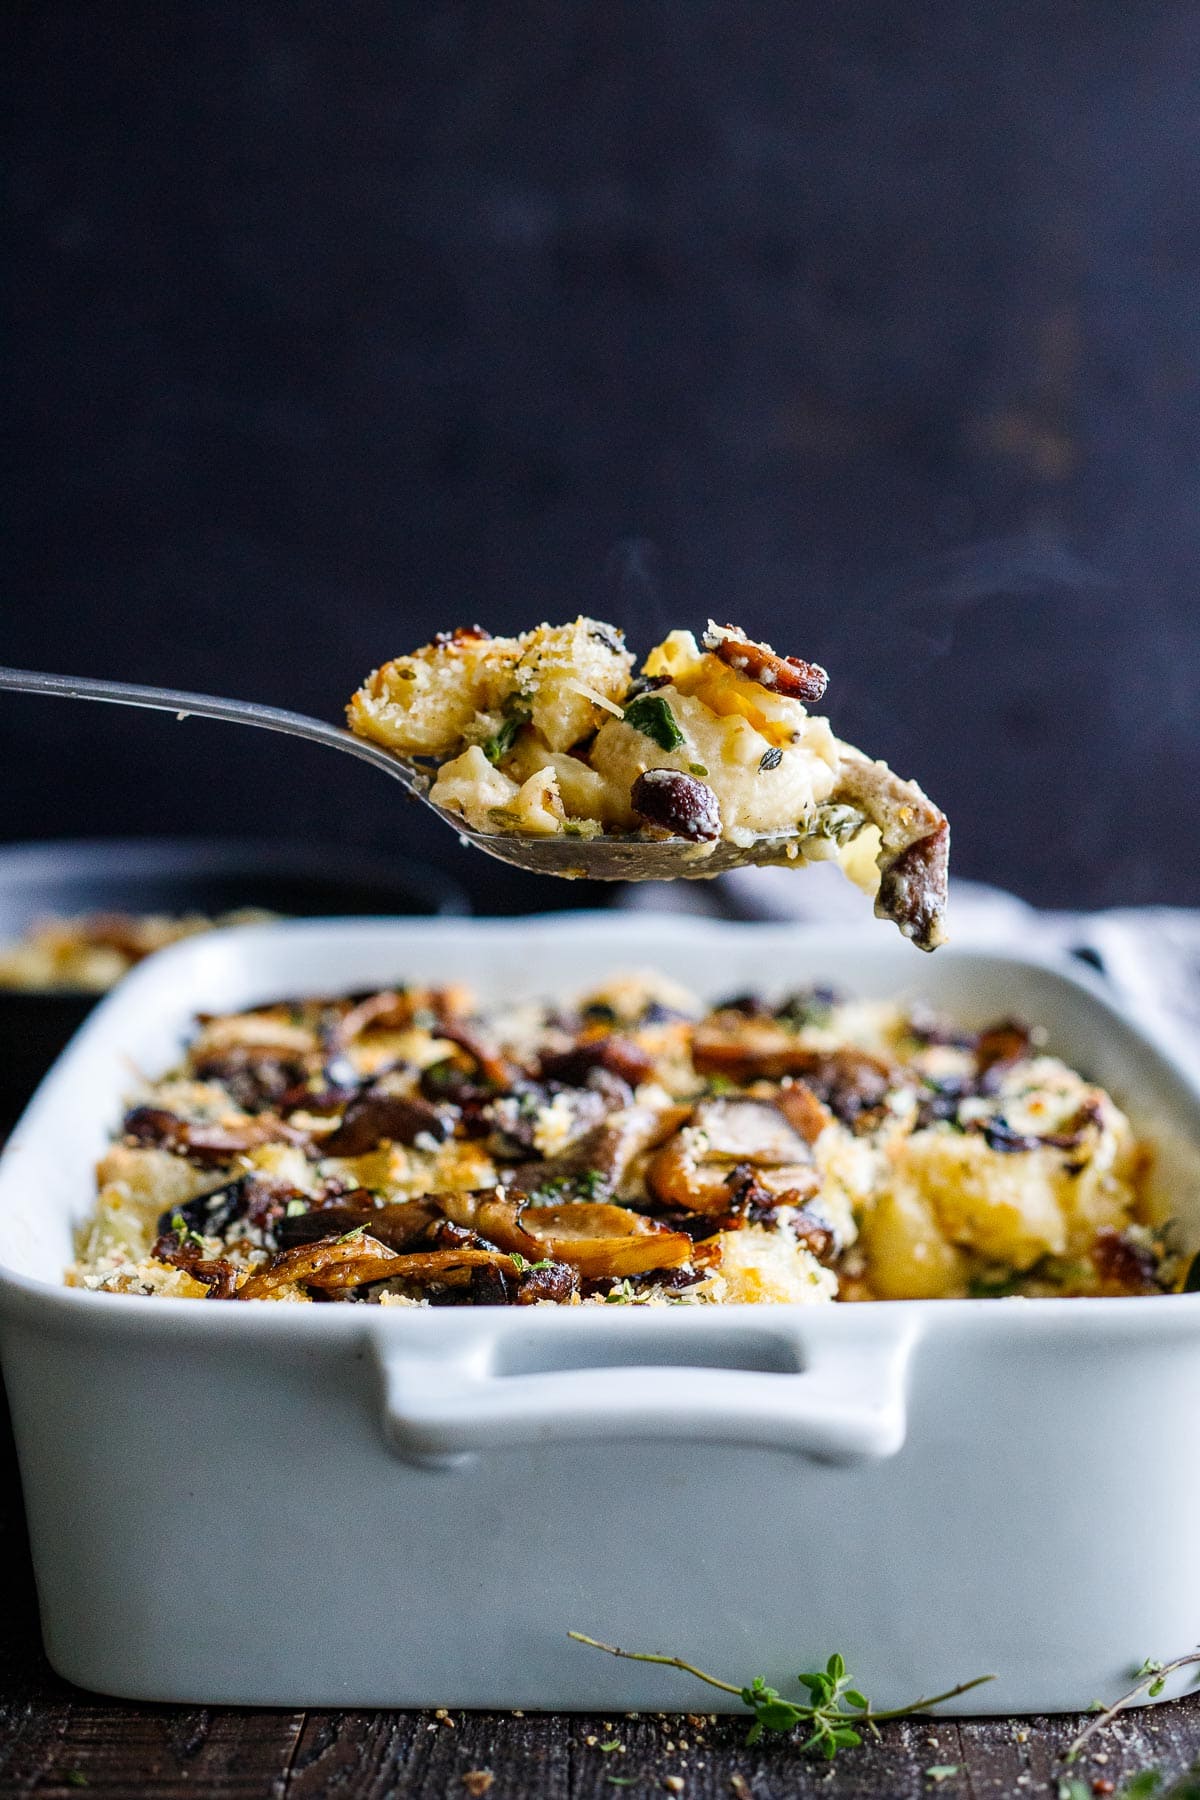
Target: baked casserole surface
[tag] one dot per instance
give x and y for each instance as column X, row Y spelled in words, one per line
column 629, row 1146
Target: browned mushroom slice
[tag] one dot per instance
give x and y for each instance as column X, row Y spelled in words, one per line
column 914, row 853
column 600, row 1240
column 397, row 1226
column 418, row 1266
column 306, row 1262
column 360, row 1259
column 217, row 1273
column 789, row 676
column 494, row 1068
column 207, row 1144
column 613, row 1053
column 1123, row 1265
column 802, row 1109
column 761, row 1196
column 462, row 635
column 256, row 1076
column 392, row 1009
column 691, row 1172
column 608, row 1151
column 849, row 1081
column 750, row 1131
column 493, row 1214
column 376, row 1115
column 999, row 1049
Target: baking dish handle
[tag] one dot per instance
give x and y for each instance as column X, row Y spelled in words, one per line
column 845, row 1401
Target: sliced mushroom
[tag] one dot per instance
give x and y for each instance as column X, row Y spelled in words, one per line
column 357, row 1261
column 495, row 1069
column 397, row 1226
column 495, row 1215
column 997, row 1050
column 312, row 1264
column 256, row 1076
column 217, row 1273
column 751, row 1131
column 788, row 676
column 390, row 1009
column 376, row 1115
column 847, row 1080
column 914, row 851
column 609, row 1150
column 601, row 1240
column 680, row 1175
column 802, row 1109
column 613, row 1053
column 207, row 1144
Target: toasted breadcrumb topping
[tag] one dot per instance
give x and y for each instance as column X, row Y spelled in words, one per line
column 625, row 1147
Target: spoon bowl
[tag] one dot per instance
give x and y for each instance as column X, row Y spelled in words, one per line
column 615, row 858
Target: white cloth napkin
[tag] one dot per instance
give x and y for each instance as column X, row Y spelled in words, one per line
column 1149, row 954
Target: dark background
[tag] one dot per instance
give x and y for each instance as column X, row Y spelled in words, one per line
column 873, row 328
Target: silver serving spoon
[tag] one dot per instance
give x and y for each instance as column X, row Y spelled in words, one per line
column 595, row 859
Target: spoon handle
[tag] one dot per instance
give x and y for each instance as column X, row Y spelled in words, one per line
column 205, row 706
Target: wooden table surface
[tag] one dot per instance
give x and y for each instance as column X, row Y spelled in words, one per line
column 58, row 1740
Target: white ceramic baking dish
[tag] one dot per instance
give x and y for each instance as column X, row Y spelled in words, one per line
column 382, row 1507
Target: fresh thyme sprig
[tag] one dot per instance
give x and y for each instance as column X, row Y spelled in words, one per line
column 1151, row 1678
column 832, row 1714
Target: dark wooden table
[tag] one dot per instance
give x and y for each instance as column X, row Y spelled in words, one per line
column 56, row 1739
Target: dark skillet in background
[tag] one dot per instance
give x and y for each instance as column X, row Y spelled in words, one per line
column 177, row 875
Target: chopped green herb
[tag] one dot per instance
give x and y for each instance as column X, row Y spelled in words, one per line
column 294, row 1208
column 770, row 759
column 622, row 1780
column 697, row 769
column 941, row 1771
column 1071, row 1788
column 184, row 1232
column 440, row 1075
column 651, row 715
column 993, row 1284
column 611, row 1745
column 839, row 823
column 76, row 1778
column 587, row 1184
column 356, row 1231
column 497, row 747
column 523, row 1267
